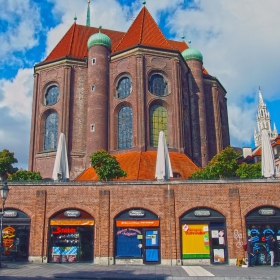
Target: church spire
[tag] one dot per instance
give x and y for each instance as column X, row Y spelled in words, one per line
column 264, row 122
column 88, row 14
column 260, row 97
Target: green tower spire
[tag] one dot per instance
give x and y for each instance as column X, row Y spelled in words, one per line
column 88, row 14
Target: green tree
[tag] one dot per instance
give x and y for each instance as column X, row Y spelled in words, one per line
column 6, row 160
column 222, row 165
column 249, row 171
column 24, row 175
column 106, row 166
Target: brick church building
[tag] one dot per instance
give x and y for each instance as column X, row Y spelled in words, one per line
column 113, row 90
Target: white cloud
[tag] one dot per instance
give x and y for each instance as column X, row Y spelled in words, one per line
column 107, row 13
column 17, row 94
column 240, row 42
column 19, row 30
column 15, row 111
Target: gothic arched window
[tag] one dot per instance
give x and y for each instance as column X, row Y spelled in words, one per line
column 51, row 96
column 51, row 131
column 158, row 122
column 124, row 87
column 157, row 85
column 125, row 128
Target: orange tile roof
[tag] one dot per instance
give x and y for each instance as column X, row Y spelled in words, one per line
column 145, row 32
column 74, row 43
column 258, row 150
column 276, row 142
column 141, row 166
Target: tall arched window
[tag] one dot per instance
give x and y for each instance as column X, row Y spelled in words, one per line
column 124, row 87
column 125, row 128
column 158, row 122
column 51, row 96
column 51, row 131
column 158, row 85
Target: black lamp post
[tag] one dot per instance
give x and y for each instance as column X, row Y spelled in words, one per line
column 4, row 191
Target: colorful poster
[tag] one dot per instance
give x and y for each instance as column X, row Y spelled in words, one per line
column 195, row 241
column 219, row 255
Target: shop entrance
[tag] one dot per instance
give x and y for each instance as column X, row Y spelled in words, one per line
column 151, row 246
column 71, row 237
column 15, row 235
column 137, row 237
column 204, row 236
column 260, row 223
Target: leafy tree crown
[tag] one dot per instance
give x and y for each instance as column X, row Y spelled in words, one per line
column 6, row 160
column 106, row 166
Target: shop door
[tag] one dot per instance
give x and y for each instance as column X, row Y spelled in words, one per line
column 218, row 244
column 151, row 247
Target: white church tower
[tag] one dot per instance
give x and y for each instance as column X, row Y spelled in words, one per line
column 263, row 121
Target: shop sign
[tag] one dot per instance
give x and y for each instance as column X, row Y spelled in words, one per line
column 202, row 213
column 129, row 232
column 267, row 212
column 146, row 223
column 10, row 214
column 136, row 213
column 60, row 230
column 72, row 213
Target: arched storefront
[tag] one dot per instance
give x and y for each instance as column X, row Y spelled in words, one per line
column 203, row 236
column 15, row 235
column 260, row 223
column 71, row 237
column 137, row 237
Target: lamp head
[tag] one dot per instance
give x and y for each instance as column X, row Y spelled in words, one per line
column 4, row 191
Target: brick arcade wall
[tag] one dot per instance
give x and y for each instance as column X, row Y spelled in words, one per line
column 233, row 199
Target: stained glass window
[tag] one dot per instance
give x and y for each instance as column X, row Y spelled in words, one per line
column 158, row 122
column 124, row 87
column 157, row 85
column 51, row 127
column 125, row 128
column 52, row 95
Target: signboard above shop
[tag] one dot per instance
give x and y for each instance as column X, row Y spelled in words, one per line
column 10, row 214
column 72, row 213
column 267, row 212
column 202, row 213
column 136, row 213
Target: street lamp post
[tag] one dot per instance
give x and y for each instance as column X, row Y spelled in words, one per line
column 4, row 191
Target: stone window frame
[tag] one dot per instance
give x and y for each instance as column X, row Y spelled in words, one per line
column 118, row 80
column 127, row 143
column 46, row 89
column 166, row 131
column 44, row 118
column 166, row 80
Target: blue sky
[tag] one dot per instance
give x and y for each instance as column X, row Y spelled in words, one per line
column 239, row 40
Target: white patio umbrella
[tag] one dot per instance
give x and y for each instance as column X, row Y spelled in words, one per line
column 61, row 169
column 163, row 165
column 268, row 162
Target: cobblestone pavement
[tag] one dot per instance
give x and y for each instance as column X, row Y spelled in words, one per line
column 24, row 271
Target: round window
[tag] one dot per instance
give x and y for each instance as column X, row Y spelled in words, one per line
column 124, row 87
column 51, row 96
column 157, row 85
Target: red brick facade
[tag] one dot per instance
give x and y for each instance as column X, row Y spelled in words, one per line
column 88, row 105
column 234, row 200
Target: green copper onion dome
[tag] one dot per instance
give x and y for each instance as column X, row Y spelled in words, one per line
column 99, row 39
column 191, row 53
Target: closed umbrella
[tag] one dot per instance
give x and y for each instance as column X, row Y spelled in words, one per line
column 268, row 163
column 61, row 170
column 163, row 165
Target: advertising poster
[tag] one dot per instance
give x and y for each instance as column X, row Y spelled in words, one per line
column 219, row 255
column 195, row 241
